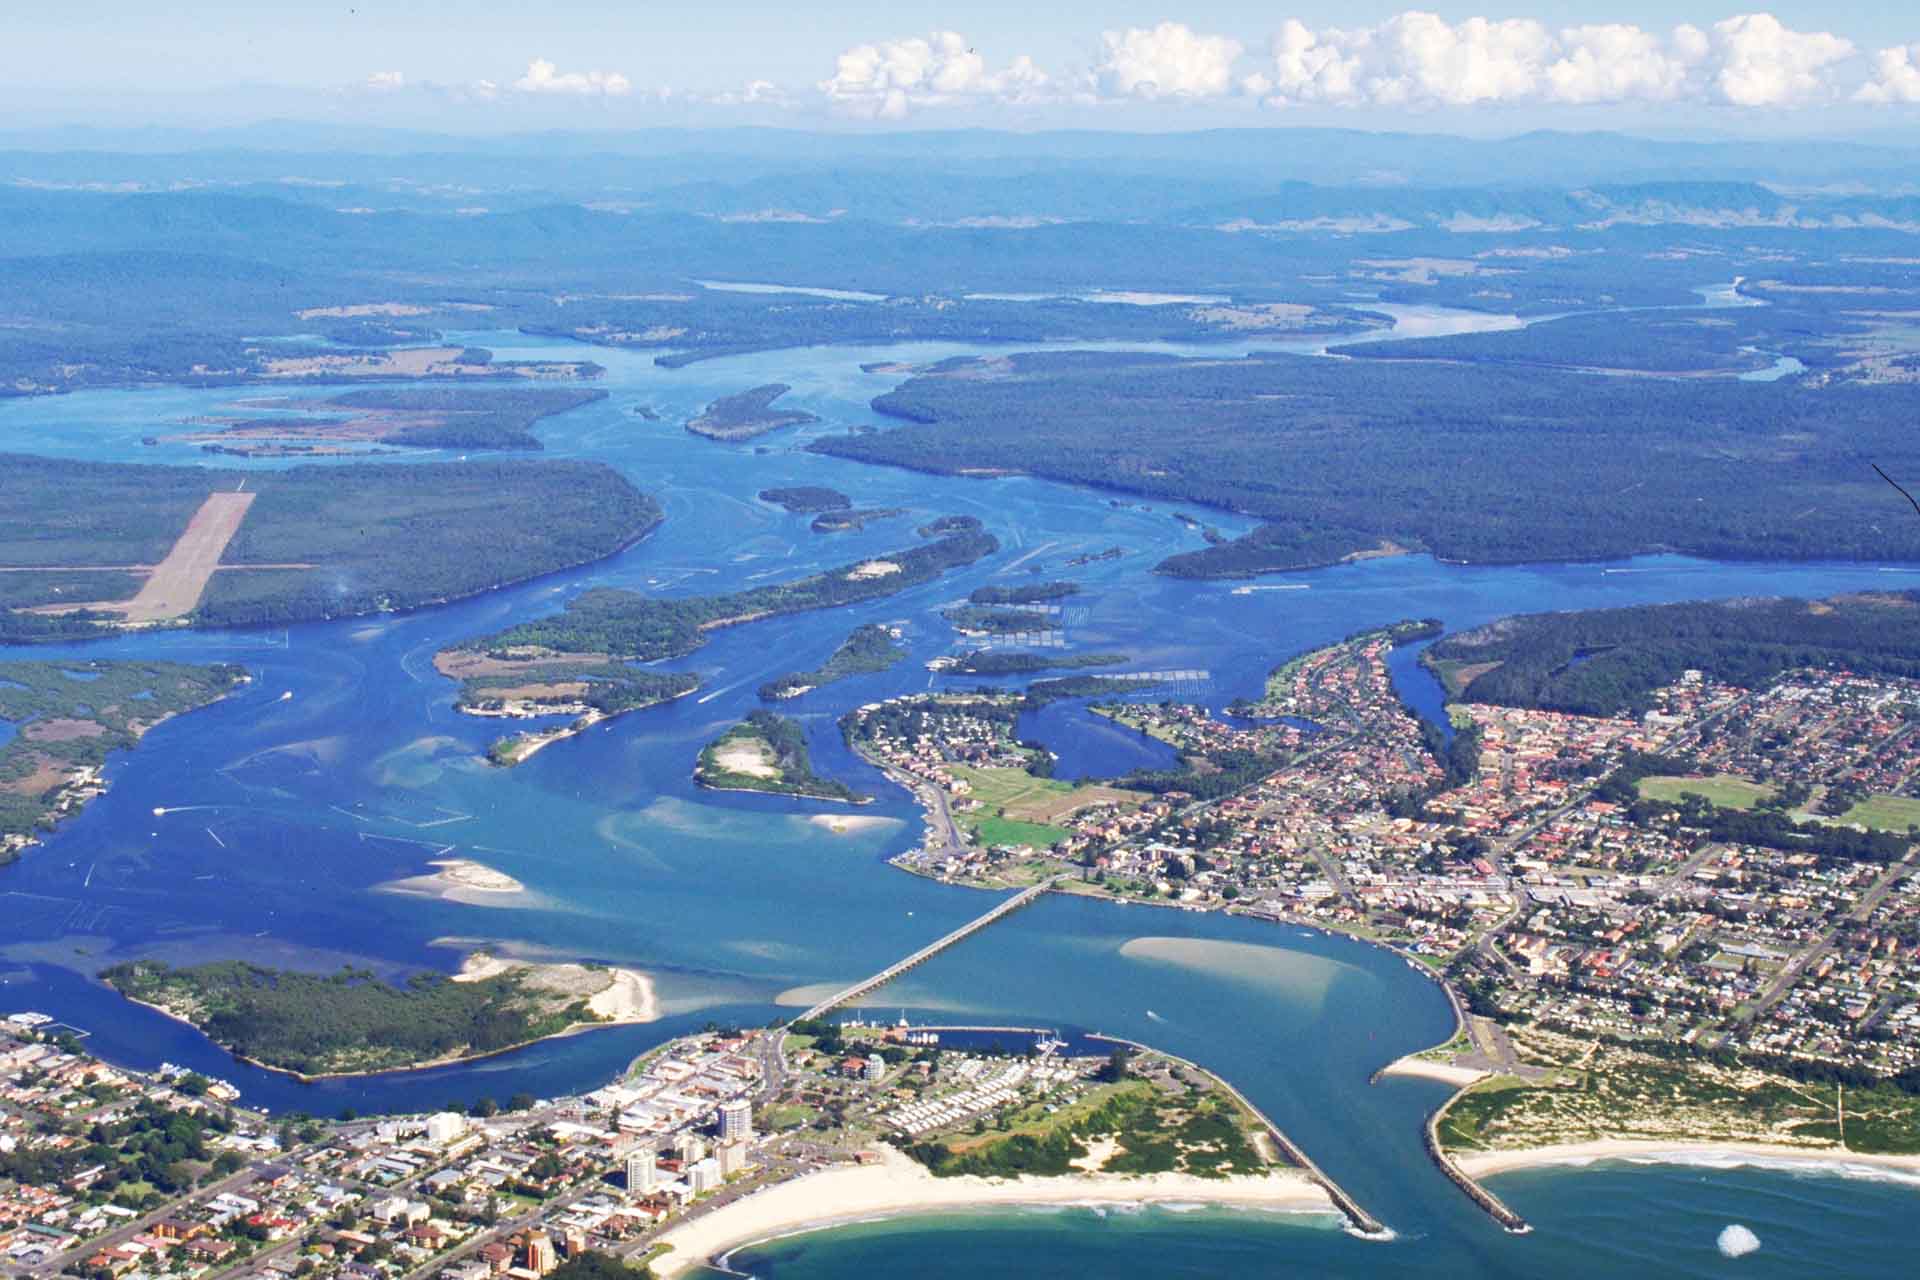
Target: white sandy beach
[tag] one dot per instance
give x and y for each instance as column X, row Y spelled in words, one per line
column 849, row 824
column 897, row 1186
column 1428, row 1069
column 628, row 996
column 1480, row 1164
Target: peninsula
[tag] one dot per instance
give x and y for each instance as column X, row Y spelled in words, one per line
column 69, row 717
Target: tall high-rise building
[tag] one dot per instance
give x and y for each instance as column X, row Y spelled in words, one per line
column 541, row 1259
column 736, row 1120
column 643, row 1174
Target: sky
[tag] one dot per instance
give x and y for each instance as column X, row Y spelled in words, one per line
column 1689, row 67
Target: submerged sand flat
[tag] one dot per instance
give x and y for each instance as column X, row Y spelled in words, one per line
column 898, row 1186
column 1301, row 975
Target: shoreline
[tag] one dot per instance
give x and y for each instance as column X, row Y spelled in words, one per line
column 625, row 981
column 1836, row 1161
column 897, row 1187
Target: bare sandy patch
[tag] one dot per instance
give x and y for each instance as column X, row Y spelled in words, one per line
column 873, row 569
column 749, row 757
column 61, row 730
column 612, row 995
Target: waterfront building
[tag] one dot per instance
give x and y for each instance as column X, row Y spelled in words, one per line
column 736, row 1120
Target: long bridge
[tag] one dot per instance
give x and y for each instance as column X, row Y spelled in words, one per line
column 1006, row 907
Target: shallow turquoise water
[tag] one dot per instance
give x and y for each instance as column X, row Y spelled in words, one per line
column 284, row 814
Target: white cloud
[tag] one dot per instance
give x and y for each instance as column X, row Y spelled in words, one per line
column 543, row 77
column 386, row 81
column 1171, row 60
column 889, row 79
column 1762, row 63
column 1419, row 59
column 1896, row 76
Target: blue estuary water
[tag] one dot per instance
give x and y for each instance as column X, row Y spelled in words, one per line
column 268, row 827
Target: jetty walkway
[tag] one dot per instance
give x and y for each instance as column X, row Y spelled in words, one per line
column 1001, row 910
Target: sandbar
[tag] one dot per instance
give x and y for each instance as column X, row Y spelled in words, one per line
column 461, row 880
column 1428, row 1069
column 897, row 1186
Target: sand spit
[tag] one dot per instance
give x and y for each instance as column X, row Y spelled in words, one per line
column 897, row 1186
column 613, row 995
column 1836, row 1160
column 1428, row 1069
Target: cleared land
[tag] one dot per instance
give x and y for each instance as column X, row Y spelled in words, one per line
column 1017, row 808
column 174, row 588
column 1725, row 791
column 1885, row 813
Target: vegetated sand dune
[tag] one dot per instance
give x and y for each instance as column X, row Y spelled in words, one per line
column 176, row 584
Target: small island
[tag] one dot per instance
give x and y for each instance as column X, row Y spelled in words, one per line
column 352, row 1023
column 529, row 688
column 1009, row 662
column 870, row 648
column 806, row 499
column 747, row 414
column 1027, row 593
column 853, row 520
column 68, row 717
column 766, row 752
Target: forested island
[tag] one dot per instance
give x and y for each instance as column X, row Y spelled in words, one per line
column 767, row 752
column 1344, row 459
column 747, row 414
column 415, row 417
column 68, row 717
column 625, row 624
column 854, row 519
column 589, row 691
column 310, row 543
column 873, row 647
column 350, row 1022
column 1027, row 593
column 1605, row 661
column 1009, row 662
column 806, row 499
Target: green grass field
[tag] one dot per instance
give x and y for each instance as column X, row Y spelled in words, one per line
column 1018, row 808
column 1885, row 813
column 1724, row 791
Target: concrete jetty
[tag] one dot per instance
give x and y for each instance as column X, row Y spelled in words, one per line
column 1492, row 1205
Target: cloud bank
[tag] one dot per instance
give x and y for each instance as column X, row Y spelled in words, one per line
column 1413, row 61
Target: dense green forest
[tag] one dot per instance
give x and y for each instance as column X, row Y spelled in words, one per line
column 470, row 418
column 807, row 498
column 852, row 521
column 378, row 535
column 783, row 744
column 69, row 715
column 611, row 687
column 349, row 1021
column 870, row 648
column 1605, row 661
column 1008, row 662
column 984, row 620
column 746, row 414
column 626, row 624
column 1029, row 593
column 1470, row 463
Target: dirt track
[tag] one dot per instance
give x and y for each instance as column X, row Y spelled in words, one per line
column 175, row 585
